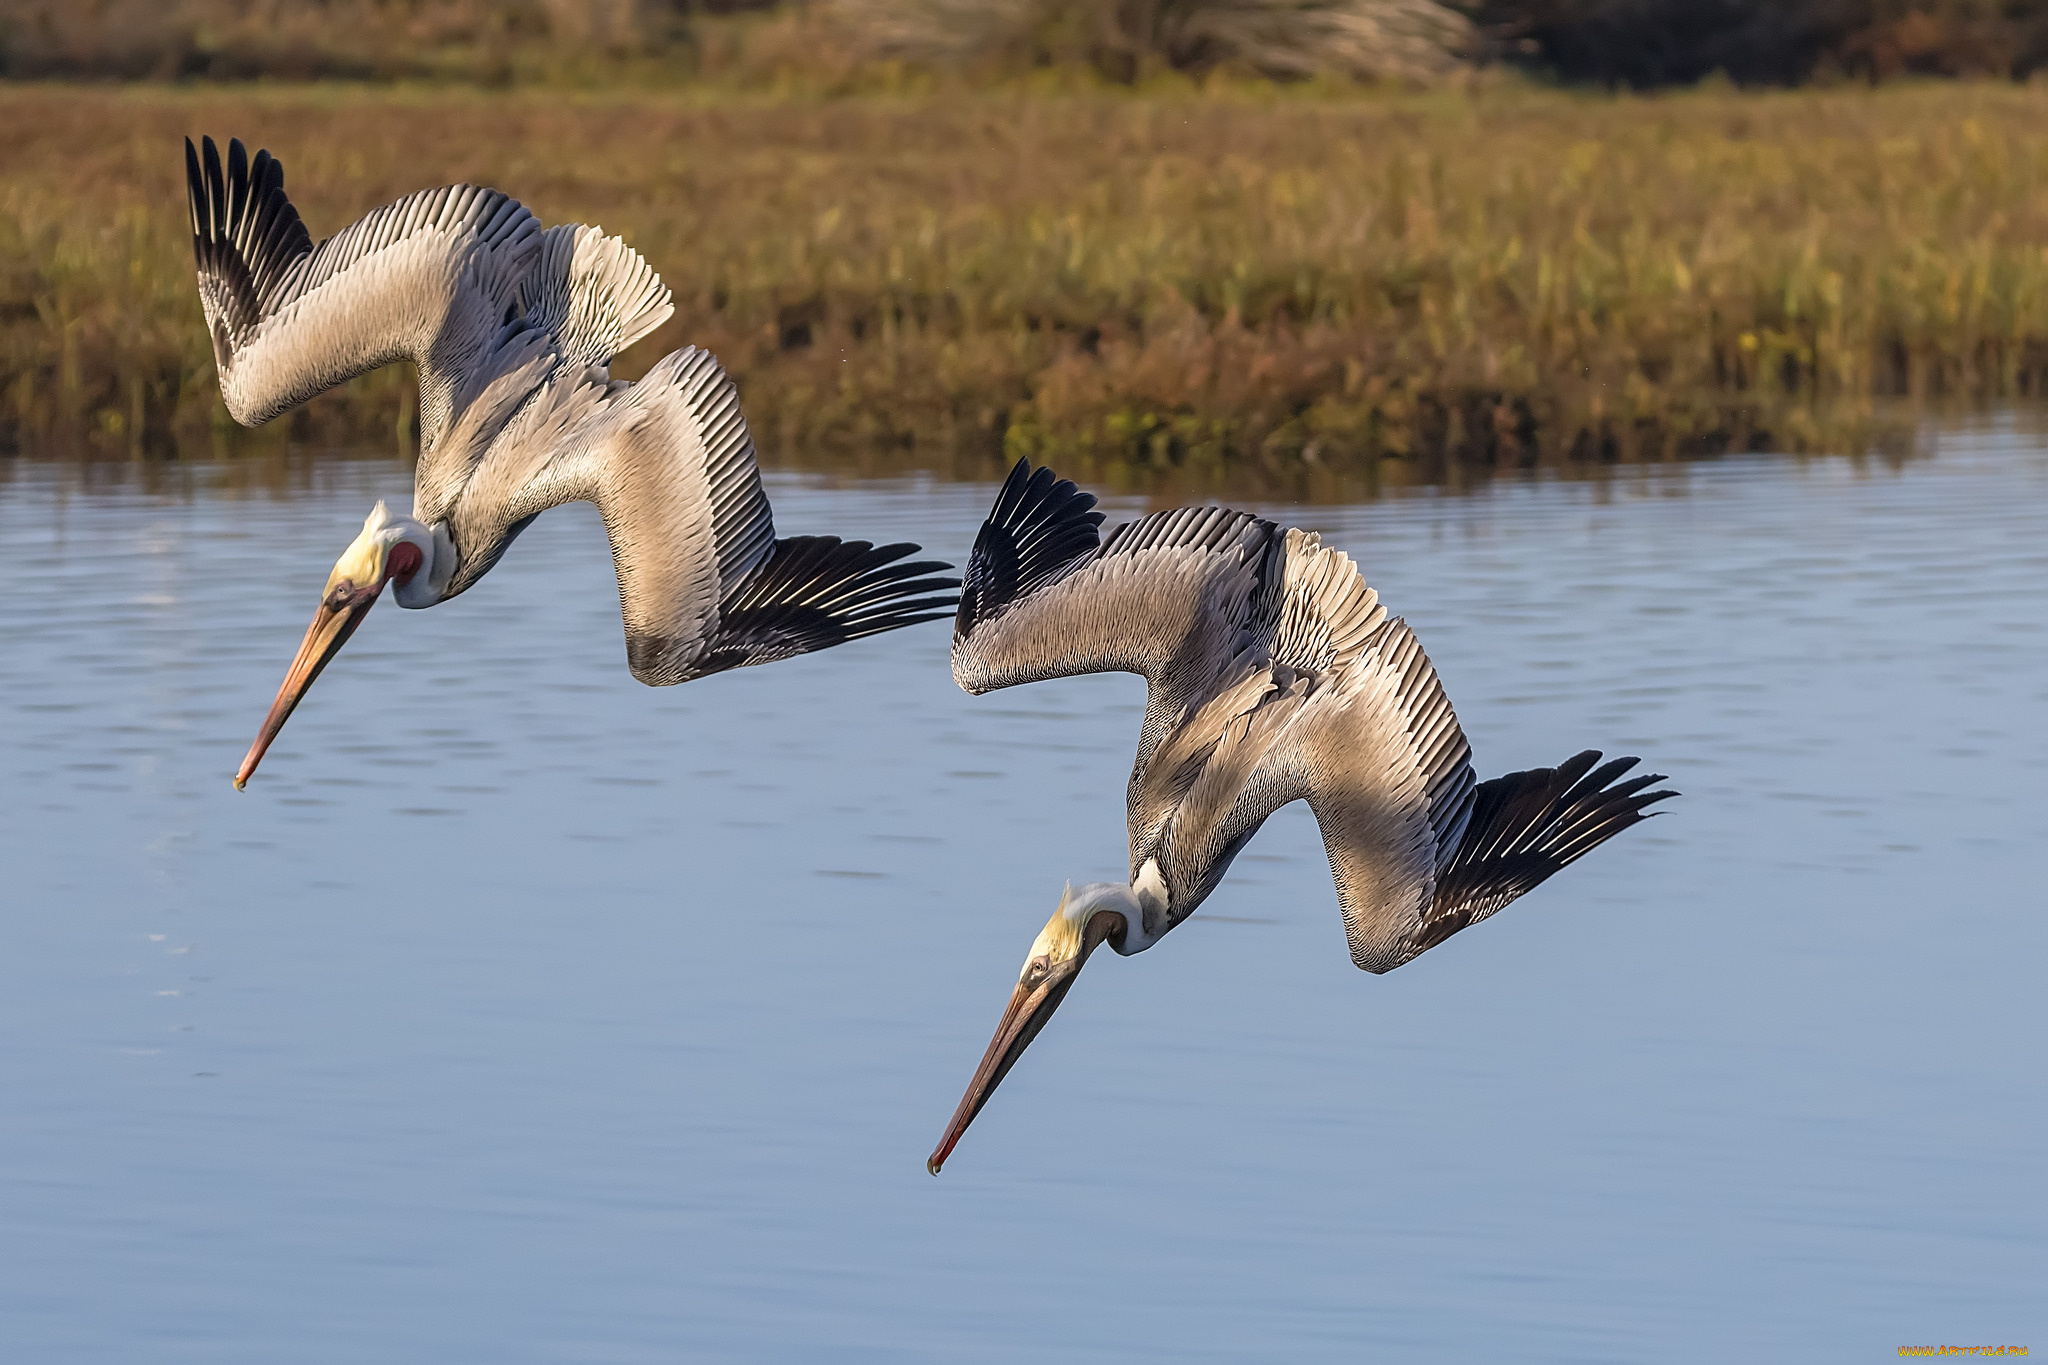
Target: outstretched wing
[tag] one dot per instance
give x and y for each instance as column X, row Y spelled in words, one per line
column 429, row 278
column 1169, row 596
column 1417, row 848
column 1347, row 711
column 704, row 585
column 1388, row 772
column 594, row 294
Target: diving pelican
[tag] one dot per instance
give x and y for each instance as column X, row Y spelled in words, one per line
column 1273, row 675
column 513, row 329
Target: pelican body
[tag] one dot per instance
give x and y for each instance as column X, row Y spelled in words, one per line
column 1273, row 675
column 513, row 328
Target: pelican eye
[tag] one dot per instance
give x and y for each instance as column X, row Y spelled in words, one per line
column 339, row 598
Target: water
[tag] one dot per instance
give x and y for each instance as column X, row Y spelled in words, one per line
column 519, row 1013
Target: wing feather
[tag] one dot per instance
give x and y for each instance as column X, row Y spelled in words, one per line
column 704, row 585
column 1176, row 597
column 1040, row 525
column 644, row 454
column 1349, row 713
column 1169, row 597
column 1525, row 827
column 429, row 278
column 1387, row 770
column 593, row 293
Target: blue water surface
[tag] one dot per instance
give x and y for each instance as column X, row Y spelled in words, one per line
column 520, row 1013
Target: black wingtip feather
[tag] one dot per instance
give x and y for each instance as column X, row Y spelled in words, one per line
column 1040, row 524
column 195, row 188
column 1526, row 826
column 216, row 191
column 814, row 592
column 246, row 235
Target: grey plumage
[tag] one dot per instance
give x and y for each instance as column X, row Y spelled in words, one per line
column 428, row 279
column 1274, row 675
column 513, row 329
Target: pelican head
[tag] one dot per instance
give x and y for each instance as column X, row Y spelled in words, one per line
column 391, row 549
column 1086, row 919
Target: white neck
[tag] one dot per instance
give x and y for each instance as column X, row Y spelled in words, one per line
column 1142, row 904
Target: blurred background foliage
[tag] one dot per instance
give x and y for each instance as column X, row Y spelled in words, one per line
column 1409, row 41
column 1500, row 276
column 490, row 41
column 1636, row 43
column 1295, row 234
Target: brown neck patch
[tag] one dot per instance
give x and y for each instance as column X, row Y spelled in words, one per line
column 403, row 563
column 1104, row 926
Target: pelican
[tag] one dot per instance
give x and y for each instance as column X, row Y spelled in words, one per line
column 513, row 328
column 1273, row 674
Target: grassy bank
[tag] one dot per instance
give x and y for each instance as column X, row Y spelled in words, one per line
column 1179, row 275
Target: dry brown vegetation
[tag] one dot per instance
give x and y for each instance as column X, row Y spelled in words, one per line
column 1634, row 43
column 479, row 41
column 818, row 42
column 1181, row 276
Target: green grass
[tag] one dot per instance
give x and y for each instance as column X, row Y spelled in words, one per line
column 1182, row 276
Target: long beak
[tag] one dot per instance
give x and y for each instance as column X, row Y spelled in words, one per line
column 1027, row 1013
column 324, row 638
